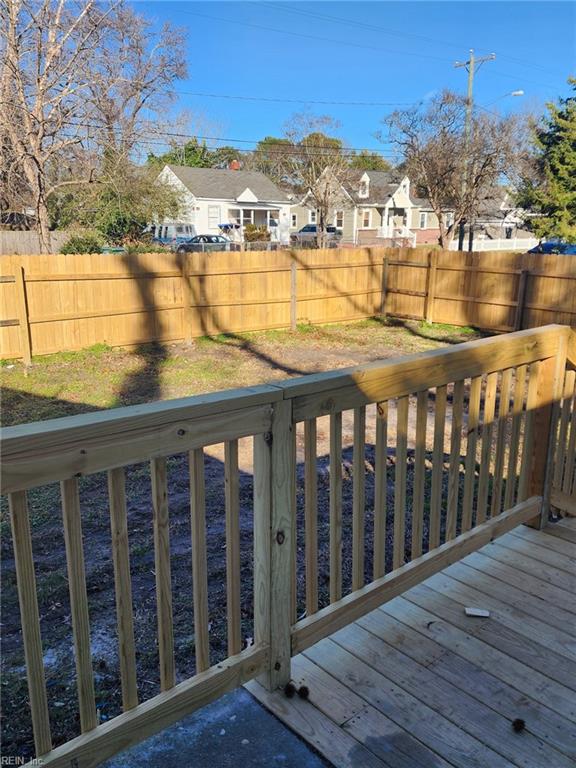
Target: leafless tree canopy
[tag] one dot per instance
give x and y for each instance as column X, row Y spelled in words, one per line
column 78, row 81
column 432, row 143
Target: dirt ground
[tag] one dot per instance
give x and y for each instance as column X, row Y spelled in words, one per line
column 73, row 383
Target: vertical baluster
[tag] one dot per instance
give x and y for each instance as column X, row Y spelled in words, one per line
column 311, row 516
column 570, row 468
column 335, row 507
column 359, row 495
column 437, row 466
column 562, row 441
column 122, row 587
column 471, row 447
column 78, row 602
column 503, row 411
column 199, row 564
column 232, row 503
column 419, row 473
column 517, row 409
column 400, row 481
column 31, row 638
column 380, row 489
column 454, row 466
column 163, row 574
column 486, row 452
column 293, row 531
column 531, row 405
column 262, row 543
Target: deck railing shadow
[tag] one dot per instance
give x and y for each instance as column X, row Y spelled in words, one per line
column 463, row 445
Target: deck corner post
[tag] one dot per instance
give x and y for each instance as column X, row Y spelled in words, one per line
column 274, row 531
column 550, row 380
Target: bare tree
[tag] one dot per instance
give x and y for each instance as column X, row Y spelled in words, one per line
column 317, row 167
column 436, row 156
column 75, row 80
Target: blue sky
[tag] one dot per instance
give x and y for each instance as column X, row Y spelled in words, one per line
column 386, row 52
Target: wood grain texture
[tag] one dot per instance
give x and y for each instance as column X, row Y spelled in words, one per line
column 123, row 587
column 486, row 452
column 517, row 418
column 471, row 446
column 437, row 466
column 380, row 489
column 419, row 473
column 232, row 504
column 78, row 603
column 359, row 498
column 454, row 465
column 31, row 638
column 335, row 507
column 499, row 462
column 400, row 482
column 199, row 559
column 163, row 573
column 311, row 515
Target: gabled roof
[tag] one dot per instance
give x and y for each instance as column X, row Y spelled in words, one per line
column 224, row 184
column 383, row 184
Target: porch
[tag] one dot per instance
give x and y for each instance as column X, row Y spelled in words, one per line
column 417, row 682
column 451, row 450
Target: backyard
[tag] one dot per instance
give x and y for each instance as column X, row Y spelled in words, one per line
column 73, row 383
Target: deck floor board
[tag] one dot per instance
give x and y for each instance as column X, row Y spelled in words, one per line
column 417, row 683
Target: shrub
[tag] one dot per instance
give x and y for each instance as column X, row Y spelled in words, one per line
column 87, row 243
column 254, row 234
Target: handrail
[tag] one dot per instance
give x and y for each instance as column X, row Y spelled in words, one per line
column 524, row 380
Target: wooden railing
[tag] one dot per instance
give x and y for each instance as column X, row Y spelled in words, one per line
column 467, row 441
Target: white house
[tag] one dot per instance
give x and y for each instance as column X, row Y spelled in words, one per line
column 215, row 200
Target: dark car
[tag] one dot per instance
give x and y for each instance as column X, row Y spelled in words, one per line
column 309, row 233
column 204, row 243
column 554, row 246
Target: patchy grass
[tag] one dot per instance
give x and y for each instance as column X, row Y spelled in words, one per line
column 103, row 377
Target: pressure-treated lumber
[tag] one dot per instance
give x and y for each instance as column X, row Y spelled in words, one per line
column 437, row 466
column 400, row 482
column 335, row 507
column 90, row 749
column 232, row 504
column 311, row 629
column 359, row 498
column 78, row 603
column 503, row 408
column 380, row 489
column 471, row 445
column 517, row 416
column 199, row 561
column 486, row 452
column 419, row 473
column 311, row 516
column 31, row 639
column 123, row 587
column 163, row 572
column 454, row 466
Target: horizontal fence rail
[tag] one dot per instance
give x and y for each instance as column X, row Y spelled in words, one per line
column 361, row 483
column 52, row 303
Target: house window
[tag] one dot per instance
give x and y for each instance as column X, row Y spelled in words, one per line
column 248, row 216
column 294, row 220
column 365, row 218
column 312, row 217
column 213, row 216
column 339, row 219
column 423, row 220
column 363, row 190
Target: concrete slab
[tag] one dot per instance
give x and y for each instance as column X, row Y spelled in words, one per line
column 233, row 731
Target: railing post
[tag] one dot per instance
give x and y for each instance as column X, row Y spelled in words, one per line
column 548, row 393
column 23, row 319
column 274, row 477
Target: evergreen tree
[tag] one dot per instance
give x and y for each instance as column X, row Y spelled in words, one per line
column 551, row 190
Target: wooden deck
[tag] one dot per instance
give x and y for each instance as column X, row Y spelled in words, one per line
column 419, row 683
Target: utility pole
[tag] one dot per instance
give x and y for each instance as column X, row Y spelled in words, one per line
column 471, row 65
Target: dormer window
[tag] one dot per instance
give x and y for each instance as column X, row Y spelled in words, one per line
column 364, row 187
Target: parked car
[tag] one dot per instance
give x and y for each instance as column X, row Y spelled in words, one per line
column 554, row 246
column 204, row 243
column 309, row 233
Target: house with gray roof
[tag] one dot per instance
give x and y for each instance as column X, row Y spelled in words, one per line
column 377, row 209
column 215, row 200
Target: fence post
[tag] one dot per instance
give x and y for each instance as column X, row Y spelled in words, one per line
column 430, row 287
column 548, row 393
column 23, row 319
column 383, row 289
column 293, row 294
column 186, row 291
column 521, row 299
column 274, row 478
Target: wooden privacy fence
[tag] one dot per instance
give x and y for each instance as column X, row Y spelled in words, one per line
column 61, row 302
column 480, row 434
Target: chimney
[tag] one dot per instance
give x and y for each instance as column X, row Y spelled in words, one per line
column 234, row 165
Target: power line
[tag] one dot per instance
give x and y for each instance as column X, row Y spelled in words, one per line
column 297, row 101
